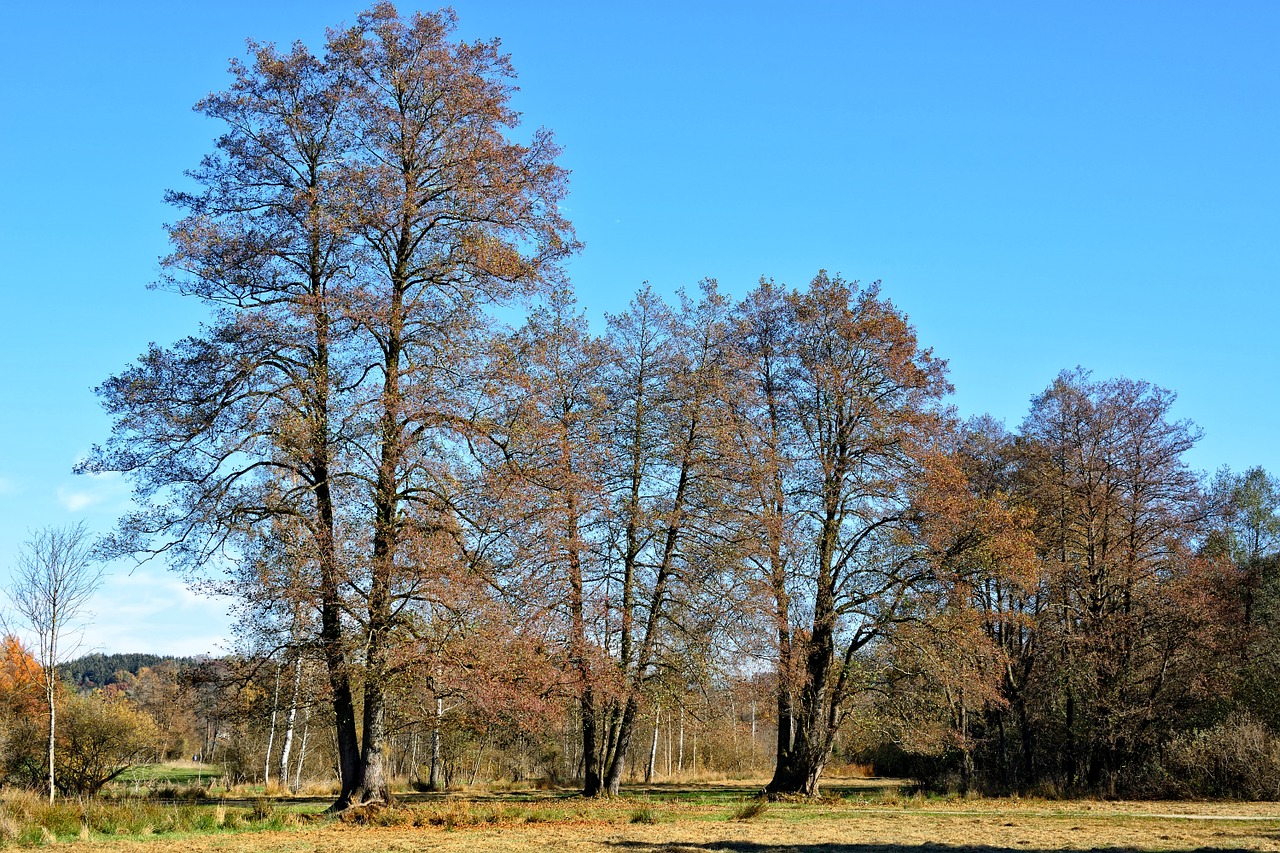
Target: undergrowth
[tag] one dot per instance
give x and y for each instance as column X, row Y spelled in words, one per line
column 27, row 818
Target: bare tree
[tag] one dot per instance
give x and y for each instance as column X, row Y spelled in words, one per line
column 55, row 575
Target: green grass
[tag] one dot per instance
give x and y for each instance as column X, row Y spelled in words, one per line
column 171, row 774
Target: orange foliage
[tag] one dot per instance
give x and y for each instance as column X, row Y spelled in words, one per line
column 21, row 679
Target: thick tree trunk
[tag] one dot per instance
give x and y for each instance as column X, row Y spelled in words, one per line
column 346, row 740
column 373, row 781
column 373, row 788
column 816, row 714
column 386, row 535
column 626, row 727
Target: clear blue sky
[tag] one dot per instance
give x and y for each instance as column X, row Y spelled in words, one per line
column 1038, row 185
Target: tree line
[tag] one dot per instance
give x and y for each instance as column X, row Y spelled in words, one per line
column 425, row 507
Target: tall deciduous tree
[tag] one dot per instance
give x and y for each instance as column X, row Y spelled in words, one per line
column 362, row 212
column 1118, row 511
column 669, row 417
column 54, row 577
column 859, row 509
column 453, row 217
column 242, row 426
column 550, row 410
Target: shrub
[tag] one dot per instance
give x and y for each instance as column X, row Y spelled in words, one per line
column 1238, row 758
column 98, row 738
column 261, row 809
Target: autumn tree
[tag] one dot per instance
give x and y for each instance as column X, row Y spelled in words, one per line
column 234, row 429
column 101, row 738
column 1008, row 605
column 861, row 515
column 161, row 692
column 21, row 679
column 548, row 424
column 55, row 575
column 1118, row 513
column 762, row 440
column 361, row 213
column 668, row 416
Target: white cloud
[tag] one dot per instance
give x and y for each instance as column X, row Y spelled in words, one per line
column 151, row 610
column 93, row 489
column 76, row 501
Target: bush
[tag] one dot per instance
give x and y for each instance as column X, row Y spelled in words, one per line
column 1238, row 759
column 98, row 738
column 261, row 809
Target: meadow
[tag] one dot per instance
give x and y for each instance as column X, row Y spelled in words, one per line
column 862, row 815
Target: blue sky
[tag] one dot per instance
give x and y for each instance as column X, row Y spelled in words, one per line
column 1039, row 185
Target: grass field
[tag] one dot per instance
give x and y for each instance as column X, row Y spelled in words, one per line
column 862, row 816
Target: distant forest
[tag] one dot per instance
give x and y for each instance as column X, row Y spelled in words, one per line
column 98, row 670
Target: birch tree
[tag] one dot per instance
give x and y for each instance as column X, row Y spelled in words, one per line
column 54, row 576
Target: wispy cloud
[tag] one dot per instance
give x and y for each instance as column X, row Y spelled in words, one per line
column 91, row 491
column 75, row 501
column 150, row 610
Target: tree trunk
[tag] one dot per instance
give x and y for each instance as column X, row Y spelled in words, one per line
column 668, row 774
column 434, row 782
column 578, row 650
column 302, row 750
column 49, row 696
column 653, row 746
column 271, row 737
column 373, row 781
column 290, row 720
column 680, row 759
column 346, row 740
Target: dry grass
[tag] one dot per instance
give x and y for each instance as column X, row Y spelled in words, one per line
column 678, row 823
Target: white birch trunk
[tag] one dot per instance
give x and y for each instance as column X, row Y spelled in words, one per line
column 287, row 746
column 434, row 783
column 653, row 746
column 680, row 759
column 271, row 738
column 302, row 749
